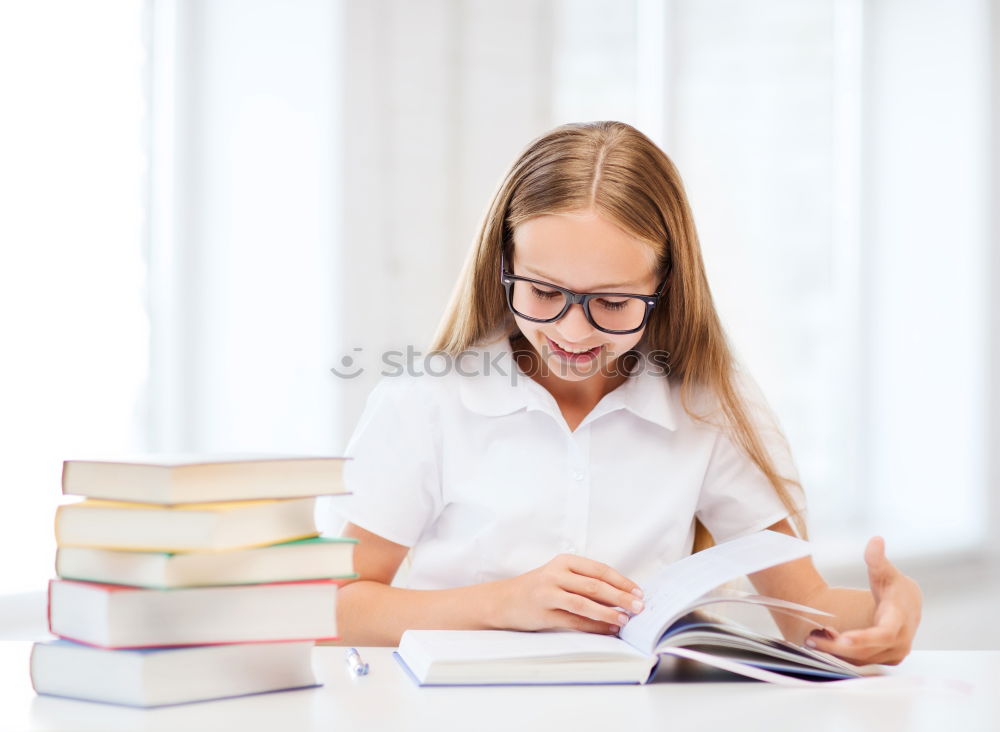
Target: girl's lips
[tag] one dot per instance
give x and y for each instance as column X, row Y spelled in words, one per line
column 583, row 356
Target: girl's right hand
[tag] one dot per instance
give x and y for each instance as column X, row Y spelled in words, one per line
column 567, row 592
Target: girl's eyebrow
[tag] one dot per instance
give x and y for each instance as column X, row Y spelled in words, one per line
column 596, row 288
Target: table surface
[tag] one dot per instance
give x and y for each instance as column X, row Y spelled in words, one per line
column 931, row 690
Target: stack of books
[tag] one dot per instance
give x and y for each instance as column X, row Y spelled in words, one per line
column 184, row 580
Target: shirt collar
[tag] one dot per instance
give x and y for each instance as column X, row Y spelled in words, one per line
column 493, row 385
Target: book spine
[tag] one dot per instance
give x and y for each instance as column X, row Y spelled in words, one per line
column 62, row 476
column 48, row 606
column 31, row 666
column 55, row 526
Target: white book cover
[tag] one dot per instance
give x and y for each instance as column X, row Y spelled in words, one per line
column 112, row 616
column 165, row 676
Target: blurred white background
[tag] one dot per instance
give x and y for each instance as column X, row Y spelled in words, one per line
column 207, row 204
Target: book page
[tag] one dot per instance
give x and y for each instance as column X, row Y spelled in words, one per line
column 495, row 645
column 178, row 459
column 726, row 595
column 741, row 668
column 669, row 593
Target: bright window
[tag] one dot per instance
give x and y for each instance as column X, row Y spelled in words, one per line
column 843, row 220
column 72, row 315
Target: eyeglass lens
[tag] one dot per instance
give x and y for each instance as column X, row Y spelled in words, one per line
column 613, row 313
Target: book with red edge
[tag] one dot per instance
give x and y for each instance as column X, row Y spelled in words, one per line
column 115, row 616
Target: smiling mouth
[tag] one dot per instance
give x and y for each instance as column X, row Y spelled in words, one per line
column 585, row 354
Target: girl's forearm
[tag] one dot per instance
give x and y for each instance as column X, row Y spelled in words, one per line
column 375, row 614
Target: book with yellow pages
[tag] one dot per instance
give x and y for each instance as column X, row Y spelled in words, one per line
column 184, row 527
column 291, row 561
column 203, row 478
column 673, row 625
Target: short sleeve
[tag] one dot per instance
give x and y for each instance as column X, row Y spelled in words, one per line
column 393, row 475
column 736, row 497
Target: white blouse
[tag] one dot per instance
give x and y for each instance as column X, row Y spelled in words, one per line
column 477, row 471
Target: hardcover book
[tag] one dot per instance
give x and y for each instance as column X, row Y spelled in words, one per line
column 184, row 478
column 162, row 676
column 292, row 561
column 184, row 527
column 112, row 616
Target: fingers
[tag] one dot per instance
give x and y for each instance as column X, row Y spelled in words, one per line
column 878, row 644
column 880, row 569
column 587, row 608
column 563, row 619
column 600, row 591
column 588, row 593
column 600, row 571
column 870, row 639
column 860, row 655
column 888, row 653
column 875, row 551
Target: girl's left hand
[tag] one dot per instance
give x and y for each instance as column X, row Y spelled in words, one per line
column 894, row 622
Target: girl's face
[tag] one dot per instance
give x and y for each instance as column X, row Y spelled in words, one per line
column 583, row 252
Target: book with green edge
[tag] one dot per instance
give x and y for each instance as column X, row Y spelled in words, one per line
column 293, row 561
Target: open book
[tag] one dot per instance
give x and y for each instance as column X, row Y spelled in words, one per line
column 673, row 624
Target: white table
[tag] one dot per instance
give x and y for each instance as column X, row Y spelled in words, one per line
column 932, row 690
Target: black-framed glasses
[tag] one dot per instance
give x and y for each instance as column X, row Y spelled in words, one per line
column 617, row 313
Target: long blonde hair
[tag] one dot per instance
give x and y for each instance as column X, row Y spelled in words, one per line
column 614, row 169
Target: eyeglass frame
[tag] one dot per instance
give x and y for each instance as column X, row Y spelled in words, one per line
column 571, row 298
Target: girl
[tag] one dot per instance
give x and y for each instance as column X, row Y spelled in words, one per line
column 581, row 424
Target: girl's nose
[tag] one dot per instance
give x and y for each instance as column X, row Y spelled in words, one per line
column 574, row 326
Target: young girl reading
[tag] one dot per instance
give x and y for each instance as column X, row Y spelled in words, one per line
column 581, row 423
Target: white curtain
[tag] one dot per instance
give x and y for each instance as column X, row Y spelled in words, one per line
column 73, row 325
column 209, row 205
